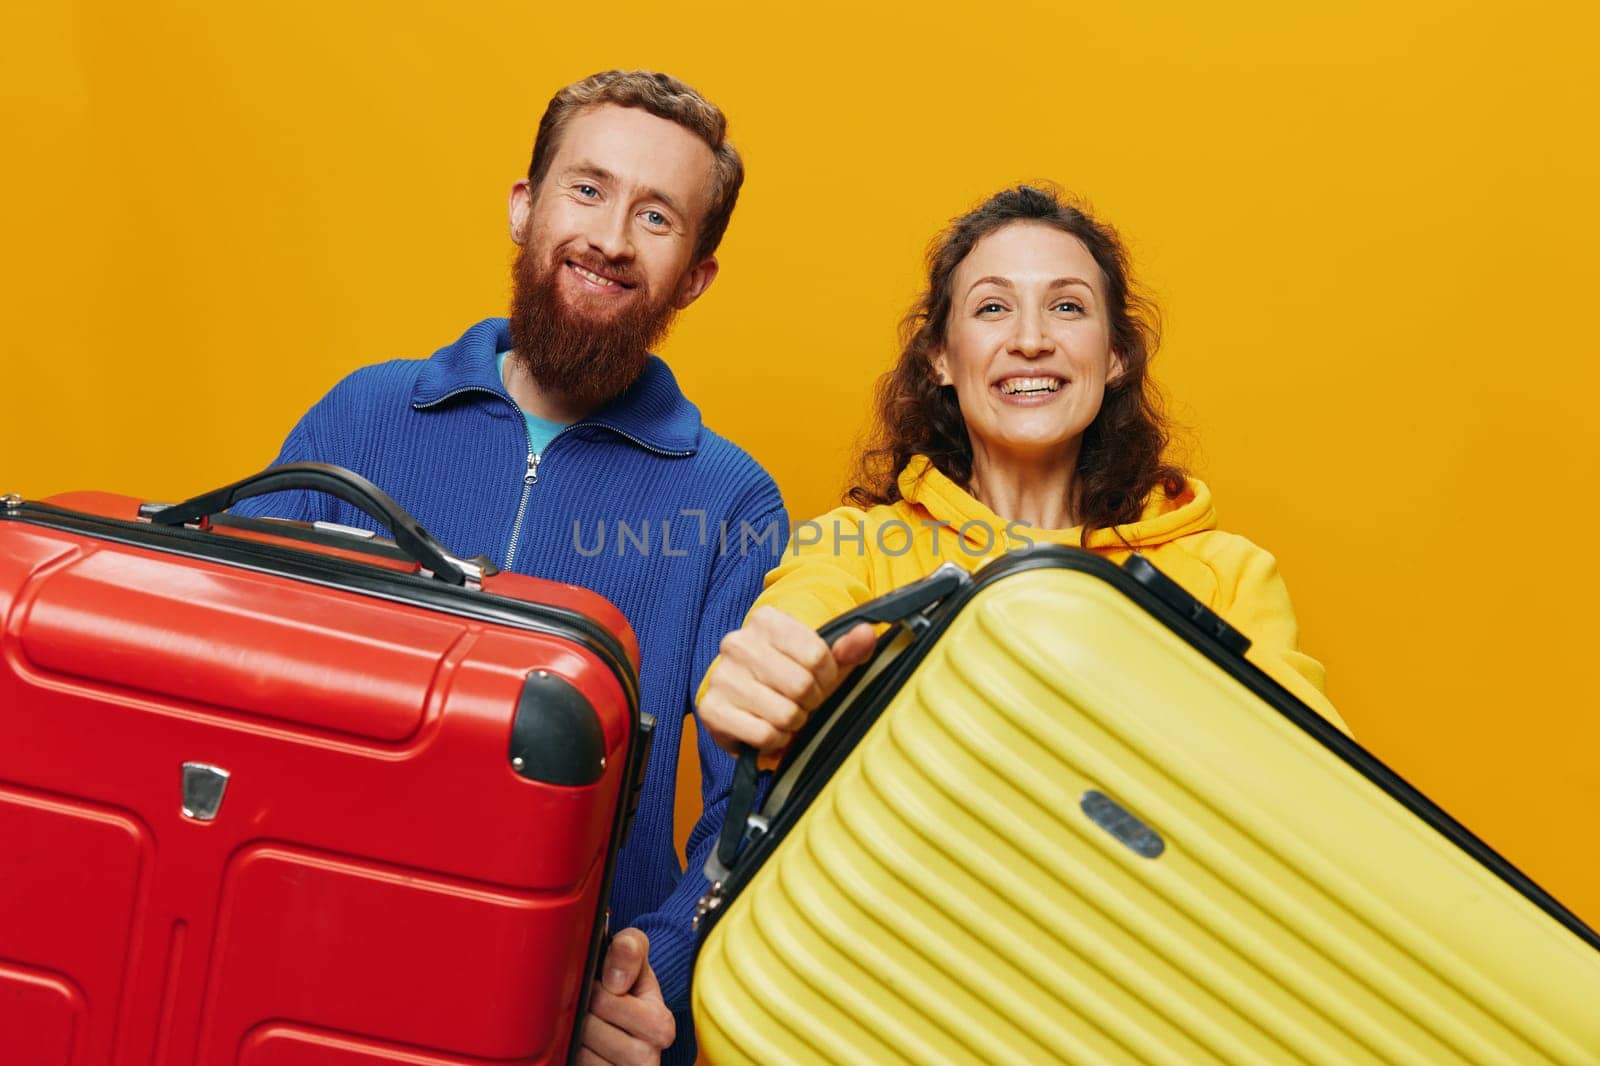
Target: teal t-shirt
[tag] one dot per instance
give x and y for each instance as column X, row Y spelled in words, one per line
column 541, row 431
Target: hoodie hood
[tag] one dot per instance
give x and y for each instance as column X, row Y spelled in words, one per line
column 1165, row 518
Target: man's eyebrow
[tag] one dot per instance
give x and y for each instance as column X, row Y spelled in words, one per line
column 588, row 169
column 595, row 170
column 670, row 204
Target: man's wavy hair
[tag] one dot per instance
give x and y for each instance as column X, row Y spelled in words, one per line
column 663, row 96
column 1122, row 458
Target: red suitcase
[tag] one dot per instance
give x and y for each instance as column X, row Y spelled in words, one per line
column 279, row 795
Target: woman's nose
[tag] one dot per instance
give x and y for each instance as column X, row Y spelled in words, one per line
column 1029, row 337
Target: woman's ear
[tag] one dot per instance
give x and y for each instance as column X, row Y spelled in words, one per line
column 941, row 368
column 1119, row 367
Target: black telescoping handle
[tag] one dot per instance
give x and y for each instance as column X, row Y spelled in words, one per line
column 908, row 606
column 348, row 486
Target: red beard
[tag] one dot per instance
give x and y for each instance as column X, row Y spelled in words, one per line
column 585, row 360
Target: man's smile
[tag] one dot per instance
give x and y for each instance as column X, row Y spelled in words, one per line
column 595, row 279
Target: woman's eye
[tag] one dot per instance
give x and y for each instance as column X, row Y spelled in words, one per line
column 1072, row 307
column 991, row 308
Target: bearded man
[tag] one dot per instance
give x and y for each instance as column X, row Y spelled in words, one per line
column 528, row 440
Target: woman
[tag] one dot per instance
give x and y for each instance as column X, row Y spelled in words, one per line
column 1019, row 413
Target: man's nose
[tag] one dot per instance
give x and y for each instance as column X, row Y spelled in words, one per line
column 612, row 234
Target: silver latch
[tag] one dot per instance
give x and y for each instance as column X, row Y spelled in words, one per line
column 12, row 501
column 755, row 827
column 203, row 786
column 705, row 905
column 348, row 531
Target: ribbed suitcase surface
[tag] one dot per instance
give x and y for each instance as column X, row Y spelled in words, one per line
column 387, row 872
column 1071, row 837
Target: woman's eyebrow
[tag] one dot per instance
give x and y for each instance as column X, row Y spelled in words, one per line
column 1006, row 283
column 991, row 279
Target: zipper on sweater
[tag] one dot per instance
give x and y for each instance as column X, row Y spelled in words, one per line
column 608, row 427
column 531, row 476
column 529, row 479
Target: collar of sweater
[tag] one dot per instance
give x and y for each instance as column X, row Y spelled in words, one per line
column 1165, row 517
column 652, row 412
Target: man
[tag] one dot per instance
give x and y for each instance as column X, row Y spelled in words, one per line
column 536, row 441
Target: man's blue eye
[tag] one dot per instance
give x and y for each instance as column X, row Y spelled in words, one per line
column 655, row 218
column 588, row 191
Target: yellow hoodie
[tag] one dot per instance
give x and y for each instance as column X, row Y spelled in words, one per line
column 849, row 556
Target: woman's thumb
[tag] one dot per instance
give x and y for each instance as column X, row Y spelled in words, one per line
column 855, row 647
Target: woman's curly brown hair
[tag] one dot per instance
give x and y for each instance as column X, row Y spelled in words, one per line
column 1122, row 457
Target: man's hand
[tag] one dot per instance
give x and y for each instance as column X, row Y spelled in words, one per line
column 628, row 1021
column 773, row 673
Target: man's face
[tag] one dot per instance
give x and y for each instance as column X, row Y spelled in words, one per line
column 607, row 246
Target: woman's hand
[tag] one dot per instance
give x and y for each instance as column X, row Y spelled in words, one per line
column 771, row 675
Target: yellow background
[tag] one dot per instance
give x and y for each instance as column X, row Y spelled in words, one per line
column 1371, row 226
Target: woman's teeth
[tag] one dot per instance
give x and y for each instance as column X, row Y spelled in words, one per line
column 1012, row 386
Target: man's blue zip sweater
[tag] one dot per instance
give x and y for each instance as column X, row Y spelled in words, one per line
column 445, row 439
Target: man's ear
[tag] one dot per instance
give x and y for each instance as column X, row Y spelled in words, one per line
column 521, row 209
column 696, row 281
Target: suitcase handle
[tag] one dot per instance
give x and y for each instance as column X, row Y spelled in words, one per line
column 906, row 606
column 909, row 606
column 1175, row 596
column 348, row 486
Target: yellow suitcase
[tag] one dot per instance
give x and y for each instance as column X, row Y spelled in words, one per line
column 1059, row 818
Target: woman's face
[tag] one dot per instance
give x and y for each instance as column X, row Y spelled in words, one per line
column 1028, row 343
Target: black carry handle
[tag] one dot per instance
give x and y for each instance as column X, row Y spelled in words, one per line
column 348, row 486
column 906, row 606
column 1178, row 598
